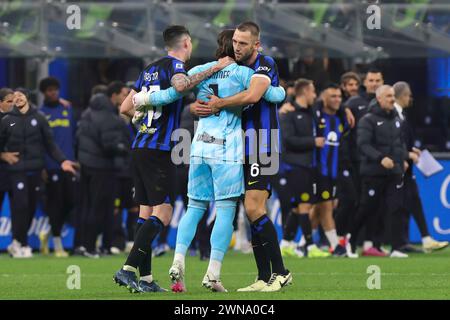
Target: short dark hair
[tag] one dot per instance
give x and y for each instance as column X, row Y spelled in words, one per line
column 374, row 70
column 300, row 85
column 48, row 82
column 346, row 77
column 249, row 26
column 225, row 44
column 99, row 88
column 115, row 87
column 25, row 91
column 173, row 33
column 331, row 85
column 5, row 92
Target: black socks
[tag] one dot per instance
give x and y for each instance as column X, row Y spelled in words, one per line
column 141, row 252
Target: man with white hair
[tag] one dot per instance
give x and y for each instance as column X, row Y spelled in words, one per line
column 383, row 162
column 413, row 203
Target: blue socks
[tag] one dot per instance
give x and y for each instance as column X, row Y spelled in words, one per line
column 188, row 225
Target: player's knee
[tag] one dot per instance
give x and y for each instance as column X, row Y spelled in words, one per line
column 253, row 210
column 164, row 213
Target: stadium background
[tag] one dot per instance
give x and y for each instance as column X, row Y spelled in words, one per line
column 434, row 191
column 118, row 38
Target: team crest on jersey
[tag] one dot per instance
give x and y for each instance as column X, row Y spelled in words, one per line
column 332, row 139
column 179, row 66
column 65, row 113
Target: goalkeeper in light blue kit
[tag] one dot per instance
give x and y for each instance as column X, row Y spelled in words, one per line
column 216, row 162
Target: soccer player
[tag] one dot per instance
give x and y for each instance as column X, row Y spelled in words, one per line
column 216, row 171
column 330, row 126
column 60, row 185
column 260, row 123
column 152, row 165
column 301, row 142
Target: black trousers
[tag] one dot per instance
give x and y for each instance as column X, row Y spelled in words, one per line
column 124, row 200
column 97, row 193
column 381, row 192
column 60, row 198
column 26, row 191
column 413, row 207
column 348, row 188
column 281, row 186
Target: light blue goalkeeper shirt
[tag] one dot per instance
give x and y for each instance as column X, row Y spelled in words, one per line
column 226, row 125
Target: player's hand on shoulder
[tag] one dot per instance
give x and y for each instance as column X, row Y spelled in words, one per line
column 200, row 109
column 350, row 117
column 223, row 63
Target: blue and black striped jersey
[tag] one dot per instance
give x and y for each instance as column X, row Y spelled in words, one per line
column 155, row 129
column 331, row 127
column 263, row 115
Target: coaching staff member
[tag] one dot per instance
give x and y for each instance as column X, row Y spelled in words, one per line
column 26, row 132
column 102, row 149
column 383, row 161
column 413, row 203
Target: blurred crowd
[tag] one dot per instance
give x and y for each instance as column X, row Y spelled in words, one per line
column 340, row 174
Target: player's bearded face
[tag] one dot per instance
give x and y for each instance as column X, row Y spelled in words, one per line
column 244, row 45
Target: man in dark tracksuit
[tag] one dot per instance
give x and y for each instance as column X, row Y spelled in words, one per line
column 60, row 186
column 349, row 177
column 102, row 150
column 124, row 192
column 6, row 104
column 383, row 160
column 300, row 141
column 346, row 190
column 413, row 203
column 26, row 131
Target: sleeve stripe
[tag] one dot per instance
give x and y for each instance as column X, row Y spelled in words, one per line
column 261, row 76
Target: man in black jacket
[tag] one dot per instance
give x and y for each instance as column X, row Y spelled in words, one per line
column 300, row 142
column 102, row 150
column 349, row 171
column 413, row 203
column 6, row 104
column 383, row 161
column 26, row 133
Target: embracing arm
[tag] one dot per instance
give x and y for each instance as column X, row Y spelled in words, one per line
column 258, row 86
column 127, row 107
column 182, row 82
column 275, row 94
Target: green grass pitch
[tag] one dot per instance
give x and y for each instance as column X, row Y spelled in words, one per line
column 422, row 276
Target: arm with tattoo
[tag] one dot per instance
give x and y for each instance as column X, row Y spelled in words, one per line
column 182, row 82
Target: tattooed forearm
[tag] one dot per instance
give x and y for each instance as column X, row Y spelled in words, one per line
column 182, row 82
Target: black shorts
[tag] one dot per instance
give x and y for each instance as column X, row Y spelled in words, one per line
column 326, row 188
column 257, row 175
column 302, row 185
column 153, row 173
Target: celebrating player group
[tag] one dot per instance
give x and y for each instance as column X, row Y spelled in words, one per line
column 237, row 93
